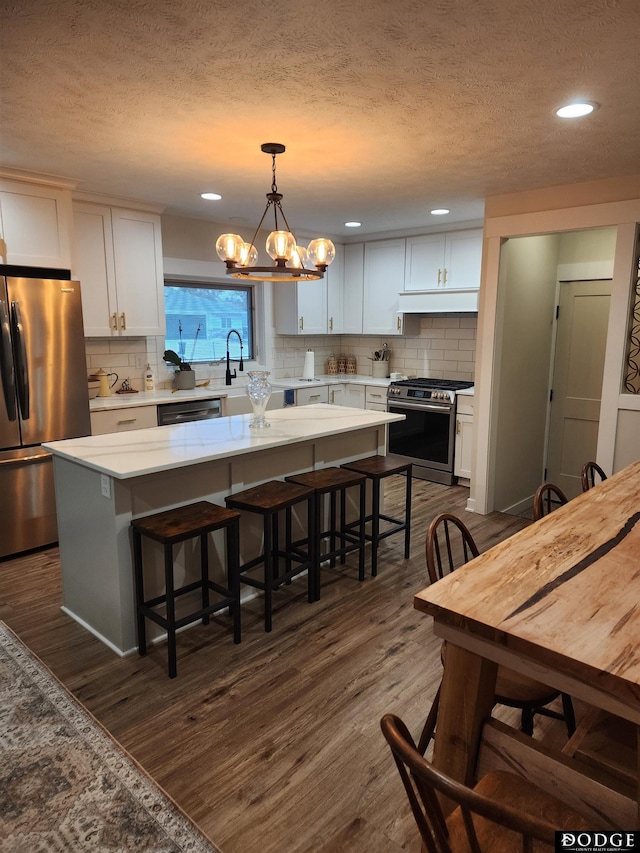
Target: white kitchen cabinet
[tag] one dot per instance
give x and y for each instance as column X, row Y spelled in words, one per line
column 353, row 289
column 383, row 279
column 376, row 398
column 301, row 307
column 337, row 394
column 335, row 294
column 354, row 396
column 118, row 259
column 35, row 224
column 313, row 394
column 384, row 262
column 449, row 260
column 464, row 437
column 122, row 420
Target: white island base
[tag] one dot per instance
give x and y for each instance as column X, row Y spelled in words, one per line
column 104, row 481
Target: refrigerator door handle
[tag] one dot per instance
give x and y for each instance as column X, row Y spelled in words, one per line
column 21, row 360
column 7, row 372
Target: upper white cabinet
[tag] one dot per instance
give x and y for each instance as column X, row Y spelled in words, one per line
column 35, row 224
column 335, row 294
column 118, row 259
column 312, row 307
column 384, row 263
column 353, row 288
column 450, row 260
column 301, row 307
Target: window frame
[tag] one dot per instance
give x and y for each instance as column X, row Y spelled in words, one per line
column 250, row 346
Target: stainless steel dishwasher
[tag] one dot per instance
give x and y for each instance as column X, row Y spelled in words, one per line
column 193, row 410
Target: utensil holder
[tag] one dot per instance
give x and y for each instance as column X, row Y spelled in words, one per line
column 380, row 369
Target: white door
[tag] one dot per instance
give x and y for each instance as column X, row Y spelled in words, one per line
column 581, row 339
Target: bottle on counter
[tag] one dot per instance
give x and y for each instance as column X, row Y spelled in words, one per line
column 149, row 381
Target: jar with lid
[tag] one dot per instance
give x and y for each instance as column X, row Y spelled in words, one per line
column 342, row 363
column 332, row 365
column 352, row 365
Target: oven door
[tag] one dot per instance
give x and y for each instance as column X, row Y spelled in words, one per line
column 426, row 438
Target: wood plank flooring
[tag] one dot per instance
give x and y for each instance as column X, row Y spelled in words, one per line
column 273, row 745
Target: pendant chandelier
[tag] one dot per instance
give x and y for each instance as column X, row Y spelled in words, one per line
column 292, row 262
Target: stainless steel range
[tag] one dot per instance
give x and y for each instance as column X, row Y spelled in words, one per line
column 427, row 435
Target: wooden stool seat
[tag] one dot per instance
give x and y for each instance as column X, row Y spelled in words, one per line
column 331, row 481
column 376, row 468
column 169, row 528
column 268, row 500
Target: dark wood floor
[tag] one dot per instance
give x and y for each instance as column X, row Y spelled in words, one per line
column 272, row 745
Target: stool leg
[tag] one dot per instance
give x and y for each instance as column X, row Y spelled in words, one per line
column 287, row 542
column 171, row 609
column 363, row 510
column 233, row 574
column 276, row 545
column 139, row 582
column 316, row 500
column 268, row 573
column 204, row 575
column 332, row 528
column 343, row 521
column 375, row 524
column 314, row 569
column 407, row 517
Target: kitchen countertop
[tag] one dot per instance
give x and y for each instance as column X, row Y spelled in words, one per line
column 211, row 391
column 145, row 451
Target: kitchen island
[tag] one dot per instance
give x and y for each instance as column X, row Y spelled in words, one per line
column 103, row 481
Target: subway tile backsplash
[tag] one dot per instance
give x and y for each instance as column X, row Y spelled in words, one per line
column 444, row 348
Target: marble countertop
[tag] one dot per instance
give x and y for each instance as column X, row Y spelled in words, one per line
column 145, row 451
column 213, row 391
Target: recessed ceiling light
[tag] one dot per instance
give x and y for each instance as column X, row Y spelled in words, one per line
column 211, row 196
column 440, row 211
column 353, row 224
column 576, row 110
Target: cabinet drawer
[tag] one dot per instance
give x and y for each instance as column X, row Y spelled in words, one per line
column 121, row 420
column 376, row 394
column 305, row 396
column 464, row 404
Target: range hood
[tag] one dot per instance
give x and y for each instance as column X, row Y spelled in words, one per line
column 461, row 300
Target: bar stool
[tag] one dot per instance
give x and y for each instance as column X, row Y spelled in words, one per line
column 331, row 481
column 377, row 468
column 168, row 528
column 269, row 500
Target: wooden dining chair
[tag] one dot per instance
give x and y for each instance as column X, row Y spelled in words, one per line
column 547, row 498
column 591, row 475
column 449, row 544
column 502, row 813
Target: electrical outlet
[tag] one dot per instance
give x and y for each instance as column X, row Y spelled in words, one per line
column 141, row 361
column 105, row 486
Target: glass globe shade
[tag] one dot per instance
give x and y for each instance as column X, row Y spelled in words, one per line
column 248, row 255
column 299, row 258
column 228, row 247
column 281, row 244
column 321, row 252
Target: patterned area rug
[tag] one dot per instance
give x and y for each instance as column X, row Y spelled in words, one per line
column 65, row 784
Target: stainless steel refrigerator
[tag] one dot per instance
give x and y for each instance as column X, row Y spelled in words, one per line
column 44, row 397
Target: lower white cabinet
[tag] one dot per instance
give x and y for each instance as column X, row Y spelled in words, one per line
column 314, row 394
column 464, row 437
column 122, row 420
column 354, row 396
column 337, row 394
column 376, row 398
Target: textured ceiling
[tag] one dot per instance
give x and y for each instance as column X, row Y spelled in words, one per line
column 387, row 109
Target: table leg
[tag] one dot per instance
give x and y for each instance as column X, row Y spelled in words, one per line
column 466, row 700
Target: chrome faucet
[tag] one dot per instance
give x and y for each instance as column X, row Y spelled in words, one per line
column 228, row 376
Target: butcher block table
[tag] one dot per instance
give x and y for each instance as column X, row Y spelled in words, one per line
column 560, row 602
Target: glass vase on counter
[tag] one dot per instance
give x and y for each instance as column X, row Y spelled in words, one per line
column 259, row 391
